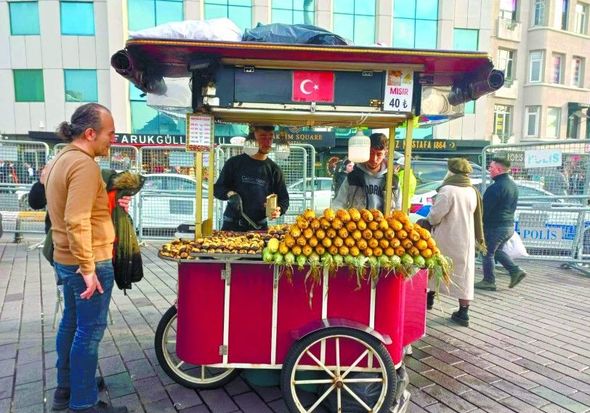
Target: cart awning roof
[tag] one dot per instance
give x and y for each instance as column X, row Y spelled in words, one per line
column 171, row 58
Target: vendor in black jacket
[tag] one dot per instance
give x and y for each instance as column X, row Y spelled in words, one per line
column 245, row 182
column 499, row 204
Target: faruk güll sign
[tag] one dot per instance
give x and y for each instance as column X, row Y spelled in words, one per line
column 149, row 140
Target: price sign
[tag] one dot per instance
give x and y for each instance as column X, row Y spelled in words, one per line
column 399, row 87
column 199, row 132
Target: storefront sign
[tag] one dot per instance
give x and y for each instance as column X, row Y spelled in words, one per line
column 399, row 87
column 427, row 145
column 149, row 140
column 317, row 139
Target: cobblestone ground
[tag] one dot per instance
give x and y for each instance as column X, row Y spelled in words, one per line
column 527, row 350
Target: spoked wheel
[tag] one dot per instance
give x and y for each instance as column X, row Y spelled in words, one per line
column 347, row 369
column 189, row 375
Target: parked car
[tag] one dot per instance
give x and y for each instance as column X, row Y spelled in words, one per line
column 168, row 200
column 431, row 170
column 321, row 193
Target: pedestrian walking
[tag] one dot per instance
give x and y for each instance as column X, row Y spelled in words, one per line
column 456, row 218
column 499, row 203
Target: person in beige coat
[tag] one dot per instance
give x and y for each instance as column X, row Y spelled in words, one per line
column 458, row 230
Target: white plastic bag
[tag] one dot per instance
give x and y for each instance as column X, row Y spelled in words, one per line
column 514, row 247
column 222, row 29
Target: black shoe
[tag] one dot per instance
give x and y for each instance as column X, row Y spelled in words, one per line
column 460, row 318
column 101, row 407
column 61, row 396
column 516, row 278
column 430, row 300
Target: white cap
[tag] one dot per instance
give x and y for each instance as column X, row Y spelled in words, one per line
column 400, row 161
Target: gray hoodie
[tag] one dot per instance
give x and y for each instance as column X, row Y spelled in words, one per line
column 364, row 189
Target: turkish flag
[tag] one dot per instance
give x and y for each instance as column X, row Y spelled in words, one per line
column 313, row 86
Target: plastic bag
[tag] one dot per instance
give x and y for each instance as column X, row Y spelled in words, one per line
column 215, row 29
column 514, row 247
column 367, row 392
column 292, row 33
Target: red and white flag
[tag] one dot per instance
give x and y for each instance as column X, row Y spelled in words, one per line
column 313, row 86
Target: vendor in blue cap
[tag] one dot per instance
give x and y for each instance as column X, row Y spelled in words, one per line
column 245, row 182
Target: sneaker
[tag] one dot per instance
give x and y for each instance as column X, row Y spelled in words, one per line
column 485, row 285
column 461, row 319
column 61, row 396
column 101, row 407
column 516, row 278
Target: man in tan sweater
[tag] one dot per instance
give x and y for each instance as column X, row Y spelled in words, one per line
column 83, row 237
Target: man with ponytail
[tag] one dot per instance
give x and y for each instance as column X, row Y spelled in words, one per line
column 83, row 237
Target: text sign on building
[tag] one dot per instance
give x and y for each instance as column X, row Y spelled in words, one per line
column 137, row 139
column 427, row 145
column 200, row 132
column 542, row 158
column 315, row 138
column 399, row 88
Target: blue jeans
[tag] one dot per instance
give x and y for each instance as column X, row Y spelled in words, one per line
column 495, row 240
column 80, row 331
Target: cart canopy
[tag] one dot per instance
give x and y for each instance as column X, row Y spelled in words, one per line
column 246, row 81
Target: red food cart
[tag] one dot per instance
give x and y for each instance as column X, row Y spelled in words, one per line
column 337, row 343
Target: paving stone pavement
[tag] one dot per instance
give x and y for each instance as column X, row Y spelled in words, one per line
column 527, row 349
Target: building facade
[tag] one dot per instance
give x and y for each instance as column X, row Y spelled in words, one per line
column 55, row 55
column 543, row 47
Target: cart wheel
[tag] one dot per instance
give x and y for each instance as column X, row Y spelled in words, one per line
column 342, row 384
column 189, row 375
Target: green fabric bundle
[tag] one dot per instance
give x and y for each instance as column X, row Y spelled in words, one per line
column 127, row 260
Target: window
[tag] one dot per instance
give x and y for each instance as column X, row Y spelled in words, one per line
column 581, row 22
column 557, row 68
column 532, row 121
column 148, row 120
column 24, row 18
column 539, row 13
column 80, row 85
column 577, row 71
column 415, row 24
column 506, row 62
column 502, row 121
column 28, row 85
column 553, row 122
column 77, row 18
column 238, row 11
column 508, row 10
column 560, row 15
column 143, row 14
column 293, row 11
column 536, row 66
column 355, row 20
column 465, row 39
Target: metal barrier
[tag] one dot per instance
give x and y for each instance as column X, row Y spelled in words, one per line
column 553, row 212
column 120, row 157
column 168, row 197
column 21, row 163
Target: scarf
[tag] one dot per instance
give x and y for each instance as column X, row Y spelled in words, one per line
column 463, row 181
